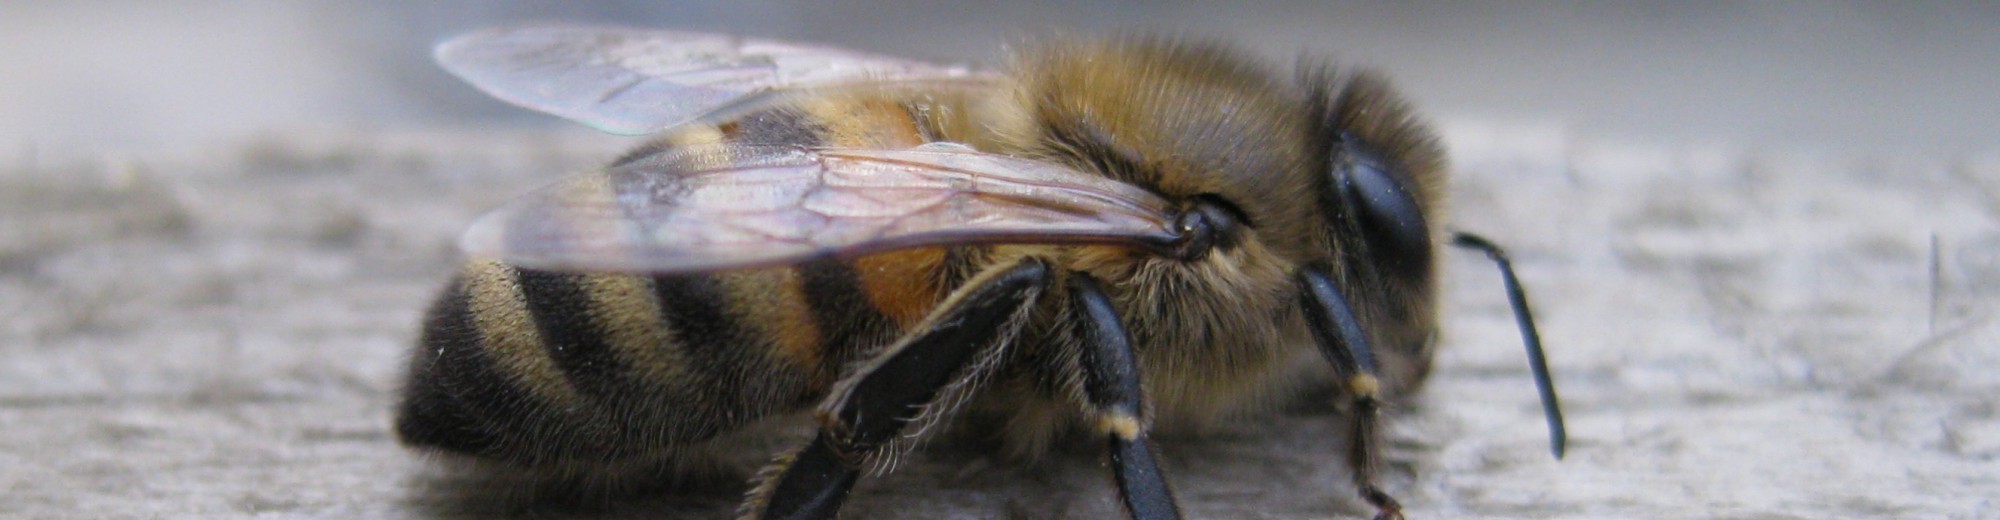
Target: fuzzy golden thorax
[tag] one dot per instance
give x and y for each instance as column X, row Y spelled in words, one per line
column 1202, row 122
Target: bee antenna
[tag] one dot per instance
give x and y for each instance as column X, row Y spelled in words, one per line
column 1519, row 300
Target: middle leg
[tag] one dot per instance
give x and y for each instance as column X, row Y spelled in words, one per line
column 1117, row 403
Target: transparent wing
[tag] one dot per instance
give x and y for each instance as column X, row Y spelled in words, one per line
column 735, row 206
column 638, row 81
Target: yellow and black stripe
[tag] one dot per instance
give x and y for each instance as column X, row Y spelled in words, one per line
column 534, row 368
column 537, row 368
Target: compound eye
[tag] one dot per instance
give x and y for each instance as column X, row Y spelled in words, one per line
column 1387, row 210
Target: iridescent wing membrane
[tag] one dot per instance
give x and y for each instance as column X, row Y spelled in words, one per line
column 735, row 206
column 639, row 81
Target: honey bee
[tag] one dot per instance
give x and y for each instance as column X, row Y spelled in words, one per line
column 1109, row 235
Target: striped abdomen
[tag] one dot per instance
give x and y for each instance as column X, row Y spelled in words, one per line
column 535, row 368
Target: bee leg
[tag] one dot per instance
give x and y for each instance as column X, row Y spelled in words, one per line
column 1345, row 344
column 867, row 410
column 1113, row 395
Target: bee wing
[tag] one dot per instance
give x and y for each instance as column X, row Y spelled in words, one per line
column 638, row 81
column 736, row 206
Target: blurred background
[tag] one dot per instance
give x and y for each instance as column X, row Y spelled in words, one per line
column 1867, row 77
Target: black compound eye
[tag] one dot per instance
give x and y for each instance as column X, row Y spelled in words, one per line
column 1388, row 212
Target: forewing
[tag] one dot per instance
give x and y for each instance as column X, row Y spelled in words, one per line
column 737, row 206
column 638, row 81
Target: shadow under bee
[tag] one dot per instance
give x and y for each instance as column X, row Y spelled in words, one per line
column 704, row 481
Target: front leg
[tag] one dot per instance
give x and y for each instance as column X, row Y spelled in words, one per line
column 867, row 410
column 1344, row 343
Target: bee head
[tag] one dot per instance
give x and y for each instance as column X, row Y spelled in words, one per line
column 1331, row 172
column 1380, row 177
column 1308, row 168
column 1379, row 189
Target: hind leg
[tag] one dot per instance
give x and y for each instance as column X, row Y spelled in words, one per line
column 869, row 409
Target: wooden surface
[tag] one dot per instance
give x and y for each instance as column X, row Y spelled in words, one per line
column 1734, row 335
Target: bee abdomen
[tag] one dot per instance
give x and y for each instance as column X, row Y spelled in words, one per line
column 532, row 367
column 452, row 393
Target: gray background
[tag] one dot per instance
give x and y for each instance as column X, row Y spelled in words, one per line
column 1877, row 77
column 1762, row 239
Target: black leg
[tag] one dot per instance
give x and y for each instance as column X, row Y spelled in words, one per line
column 814, row 483
column 1111, row 386
column 1551, row 408
column 868, row 409
column 1345, row 344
